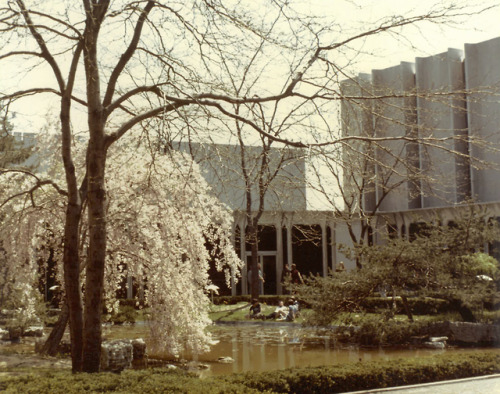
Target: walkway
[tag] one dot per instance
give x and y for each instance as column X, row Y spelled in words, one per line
column 480, row 385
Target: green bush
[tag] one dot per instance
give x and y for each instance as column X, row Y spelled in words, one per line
column 127, row 313
column 372, row 375
column 139, row 381
column 418, row 305
column 376, row 331
column 232, row 300
column 327, row 379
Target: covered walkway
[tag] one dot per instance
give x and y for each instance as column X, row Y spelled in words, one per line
column 489, row 384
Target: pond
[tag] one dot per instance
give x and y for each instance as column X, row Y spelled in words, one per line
column 267, row 347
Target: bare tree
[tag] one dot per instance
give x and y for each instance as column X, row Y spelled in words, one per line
column 259, row 175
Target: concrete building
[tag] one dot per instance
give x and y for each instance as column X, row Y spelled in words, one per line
column 425, row 164
column 288, row 232
column 437, row 127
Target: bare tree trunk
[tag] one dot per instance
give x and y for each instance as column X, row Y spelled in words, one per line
column 72, row 283
column 407, row 307
column 51, row 344
column 96, row 162
column 96, row 255
column 254, row 262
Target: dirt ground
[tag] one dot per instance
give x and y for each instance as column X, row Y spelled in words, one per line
column 22, row 356
column 9, row 361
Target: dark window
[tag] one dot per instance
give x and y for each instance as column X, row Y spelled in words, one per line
column 307, row 251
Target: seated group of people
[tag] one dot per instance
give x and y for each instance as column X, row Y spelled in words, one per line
column 281, row 313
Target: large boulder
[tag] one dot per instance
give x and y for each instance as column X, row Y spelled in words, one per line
column 15, row 333
column 116, row 355
column 119, row 354
column 469, row 333
column 139, row 351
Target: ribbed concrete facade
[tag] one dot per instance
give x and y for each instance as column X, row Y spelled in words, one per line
column 451, row 102
column 482, row 78
column 394, row 116
column 441, row 112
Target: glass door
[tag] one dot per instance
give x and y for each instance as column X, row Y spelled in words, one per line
column 269, row 268
column 267, row 261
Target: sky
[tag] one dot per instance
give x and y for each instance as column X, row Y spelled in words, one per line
column 382, row 51
column 421, row 40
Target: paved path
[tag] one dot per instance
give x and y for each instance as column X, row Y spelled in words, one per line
column 480, row 385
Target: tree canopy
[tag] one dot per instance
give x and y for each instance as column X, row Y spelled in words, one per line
column 162, row 219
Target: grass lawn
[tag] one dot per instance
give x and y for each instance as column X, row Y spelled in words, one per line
column 239, row 312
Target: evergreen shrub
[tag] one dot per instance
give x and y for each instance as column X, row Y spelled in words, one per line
column 418, row 305
column 372, row 375
column 326, row 379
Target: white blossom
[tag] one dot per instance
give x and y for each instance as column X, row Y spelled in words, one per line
column 160, row 216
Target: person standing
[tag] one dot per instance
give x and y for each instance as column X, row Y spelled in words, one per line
column 296, row 276
column 261, row 279
column 286, row 278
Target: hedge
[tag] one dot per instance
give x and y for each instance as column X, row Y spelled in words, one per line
column 418, row 305
column 327, row 379
column 372, row 375
column 232, row 300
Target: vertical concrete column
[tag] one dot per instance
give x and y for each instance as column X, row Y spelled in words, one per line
column 324, row 248
column 130, row 287
column 243, row 257
column 442, row 114
column 279, row 255
column 233, row 274
column 396, row 117
column 289, row 238
column 400, row 224
column 482, row 76
column 333, row 246
column 404, row 227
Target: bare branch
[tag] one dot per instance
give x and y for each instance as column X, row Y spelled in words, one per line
column 127, row 55
column 34, row 91
column 45, row 53
column 39, row 183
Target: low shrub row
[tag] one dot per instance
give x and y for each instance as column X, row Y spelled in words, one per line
column 372, row 375
column 129, row 381
column 328, row 379
column 232, row 300
column 418, row 305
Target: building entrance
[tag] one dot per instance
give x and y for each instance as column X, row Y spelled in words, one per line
column 267, row 260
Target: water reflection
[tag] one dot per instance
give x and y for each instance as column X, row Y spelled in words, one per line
column 258, row 348
column 271, row 347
